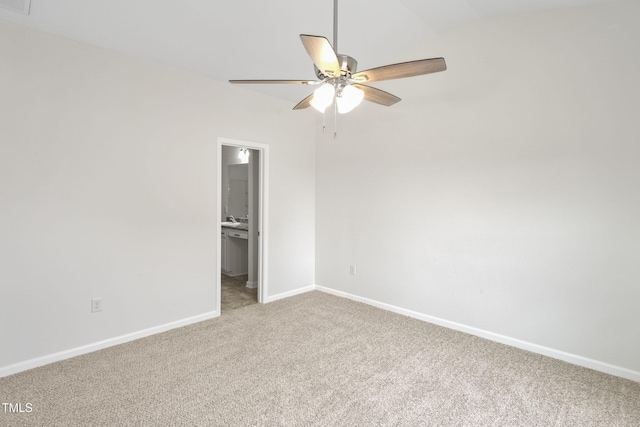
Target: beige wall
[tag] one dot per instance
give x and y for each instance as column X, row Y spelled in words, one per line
column 502, row 194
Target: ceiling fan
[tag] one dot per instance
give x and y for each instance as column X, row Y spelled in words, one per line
column 340, row 80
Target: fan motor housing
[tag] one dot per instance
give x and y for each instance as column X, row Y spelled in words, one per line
column 348, row 66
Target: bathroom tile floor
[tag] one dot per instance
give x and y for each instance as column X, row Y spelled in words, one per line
column 235, row 293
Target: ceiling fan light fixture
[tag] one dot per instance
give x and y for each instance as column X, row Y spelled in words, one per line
column 323, row 97
column 339, row 78
column 349, row 98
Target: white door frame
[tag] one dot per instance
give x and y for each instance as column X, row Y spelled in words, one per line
column 263, row 215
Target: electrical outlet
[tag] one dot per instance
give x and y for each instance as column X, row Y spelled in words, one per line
column 96, row 305
column 352, row 270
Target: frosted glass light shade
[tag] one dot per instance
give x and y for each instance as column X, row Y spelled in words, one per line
column 350, row 98
column 323, row 97
column 243, row 155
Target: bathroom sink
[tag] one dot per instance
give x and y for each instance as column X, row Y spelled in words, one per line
column 240, row 225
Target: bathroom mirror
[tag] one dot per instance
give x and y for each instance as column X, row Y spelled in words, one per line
column 239, row 190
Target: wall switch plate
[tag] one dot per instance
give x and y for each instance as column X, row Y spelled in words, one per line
column 352, row 270
column 96, row 305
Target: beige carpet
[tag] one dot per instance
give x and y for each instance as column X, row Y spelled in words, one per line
column 320, row 360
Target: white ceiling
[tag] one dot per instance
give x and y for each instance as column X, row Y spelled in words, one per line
column 258, row 39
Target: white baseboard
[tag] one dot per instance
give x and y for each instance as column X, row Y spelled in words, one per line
column 252, row 285
column 67, row 354
column 524, row 345
column 290, row 293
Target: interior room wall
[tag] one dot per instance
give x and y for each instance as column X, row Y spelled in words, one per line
column 108, row 189
column 501, row 194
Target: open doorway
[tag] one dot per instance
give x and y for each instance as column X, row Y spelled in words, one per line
column 242, row 223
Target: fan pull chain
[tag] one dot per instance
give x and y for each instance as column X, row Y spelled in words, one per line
column 335, row 120
column 324, row 121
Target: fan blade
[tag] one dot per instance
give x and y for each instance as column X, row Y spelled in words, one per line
column 322, row 54
column 401, row 70
column 277, row 82
column 376, row 95
column 305, row 103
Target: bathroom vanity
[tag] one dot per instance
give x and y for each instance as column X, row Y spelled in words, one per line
column 234, row 250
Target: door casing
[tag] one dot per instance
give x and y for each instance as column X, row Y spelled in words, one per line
column 263, row 214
